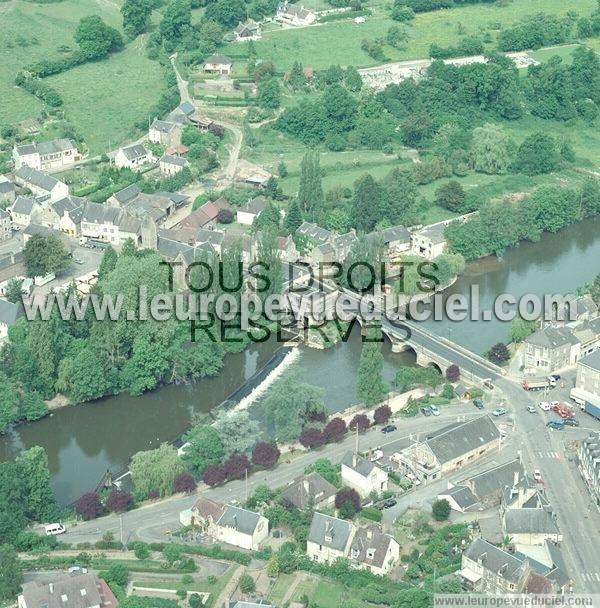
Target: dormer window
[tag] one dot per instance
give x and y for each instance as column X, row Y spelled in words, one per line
column 370, row 553
column 83, row 592
column 64, row 598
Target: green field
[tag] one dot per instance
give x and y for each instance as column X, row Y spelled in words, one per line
column 339, row 41
column 102, row 99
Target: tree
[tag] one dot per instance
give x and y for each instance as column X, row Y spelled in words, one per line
column 44, row 255
column 537, row 154
column 238, row 432
column 237, row 466
column 310, row 190
column 311, row 437
column 247, row 584
column 269, row 93
column 13, row 290
column 116, row 574
column 347, row 502
column 353, row 79
column 499, row 353
column 282, row 170
column 451, row 196
column 136, row 16
column 265, row 455
column 327, row 470
column 290, row 406
column 185, row 483
column 204, row 447
column 108, row 263
column 409, row 377
column 176, row 21
column 214, row 474
column 156, row 470
column 453, row 373
column 172, row 553
column 360, row 422
column 402, row 13
column 89, row 506
column 96, row 39
column 225, row 216
column 335, row 430
column 382, row 414
column 520, row 329
column 11, row 573
column 371, row 387
column 140, row 550
column 119, row 501
column 440, row 510
column 293, row 217
column 82, row 378
column 227, row 13
column 367, row 203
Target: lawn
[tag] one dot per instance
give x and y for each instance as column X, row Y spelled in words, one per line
column 340, row 41
column 102, row 100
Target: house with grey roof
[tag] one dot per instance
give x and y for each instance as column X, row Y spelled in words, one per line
column 549, row 349
column 7, row 190
column 251, row 210
column 133, row 157
column 309, row 491
column 101, row 222
column 5, row 225
column 21, row 211
column 165, row 132
column 329, row 538
column 229, row 524
column 588, row 462
column 490, row 485
column 76, row 590
column 122, row 197
column 249, row 30
column 395, row 240
column 546, row 563
column 55, row 155
column 171, row 165
column 450, row 448
column 460, row 498
column 9, row 314
column 294, row 14
column 429, row 242
column 313, row 233
column 43, row 186
column 218, row 64
column 374, row 551
column 531, row 526
column 363, row 475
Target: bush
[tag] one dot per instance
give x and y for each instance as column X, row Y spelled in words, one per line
column 335, row 430
column 214, row 474
column 236, row 466
column 89, row 506
column 372, row 514
column 119, row 501
column 184, row 482
column 311, row 437
column 265, row 455
column 382, row 414
column 225, row 216
column 247, row 584
column 440, row 510
column 141, row 550
column 453, row 373
column 361, row 422
column 347, row 502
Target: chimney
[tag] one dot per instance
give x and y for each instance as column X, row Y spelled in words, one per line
column 51, row 587
column 369, row 533
column 354, row 460
column 516, row 478
column 306, row 485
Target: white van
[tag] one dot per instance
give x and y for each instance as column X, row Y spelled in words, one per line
column 54, row 529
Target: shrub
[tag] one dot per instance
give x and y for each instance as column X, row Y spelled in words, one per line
column 265, row 455
column 440, row 510
column 347, row 501
column 382, row 414
column 335, row 430
column 453, row 373
column 372, row 514
column 311, row 437
column 89, row 506
column 236, row 466
column 225, row 216
column 247, row 584
column 119, row 501
column 141, row 550
column 361, row 422
column 184, row 482
column 214, row 474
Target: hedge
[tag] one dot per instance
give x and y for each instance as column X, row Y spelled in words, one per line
column 371, row 513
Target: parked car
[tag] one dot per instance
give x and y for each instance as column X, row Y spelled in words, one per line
column 54, row 529
column 435, row 410
column 426, row 411
column 537, row 476
column 77, row 260
column 478, row 403
column 499, row 412
column 531, row 409
column 556, row 425
column 555, row 377
column 545, row 406
column 570, row 422
column 389, row 503
column 389, row 428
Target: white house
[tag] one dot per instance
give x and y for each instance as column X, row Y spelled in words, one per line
column 250, row 30
column 5, row 225
column 21, row 210
column 133, row 157
column 170, row 165
column 101, row 222
column 430, row 242
column 362, row 475
column 218, row 64
column 374, row 551
column 41, row 184
column 329, row 538
column 292, row 14
column 165, row 133
column 228, row 524
column 251, row 210
column 9, row 314
column 52, row 155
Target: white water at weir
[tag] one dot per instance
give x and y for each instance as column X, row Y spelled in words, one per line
column 270, row 378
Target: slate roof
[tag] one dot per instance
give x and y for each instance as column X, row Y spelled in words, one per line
column 255, row 206
column 459, row 439
column 495, row 560
column 357, row 463
column 370, row 546
column 187, row 107
column 314, row 232
column 213, row 237
column 592, row 361
column 23, row 205
column 249, row 26
column 170, row 249
column 395, row 233
column 312, row 488
column 97, row 213
column 164, row 126
column 494, row 479
column 37, row 178
column 68, row 591
column 242, row 520
column 6, row 186
column 127, row 194
column 72, row 205
column 33, row 229
column 130, row 225
column 330, row 531
column 135, row 152
column 534, row 521
column 218, row 60
column 434, row 233
column 9, row 312
column 250, row 604
column 552, row 337
column 178, row 161
column 46, row 147
column 462, row 495
column 209, row 508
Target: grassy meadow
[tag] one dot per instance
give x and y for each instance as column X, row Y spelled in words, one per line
column 103, row 99
column 339, row 41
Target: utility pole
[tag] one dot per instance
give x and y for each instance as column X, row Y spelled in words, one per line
column 356, row 444
column 246, row 485
column 121, row 523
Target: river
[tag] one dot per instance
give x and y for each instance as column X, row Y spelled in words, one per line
column 82, row 442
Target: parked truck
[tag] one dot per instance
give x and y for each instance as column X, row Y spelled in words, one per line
column 591, row 409
column 93, row 243
column 562, row 410
column 535, row 384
